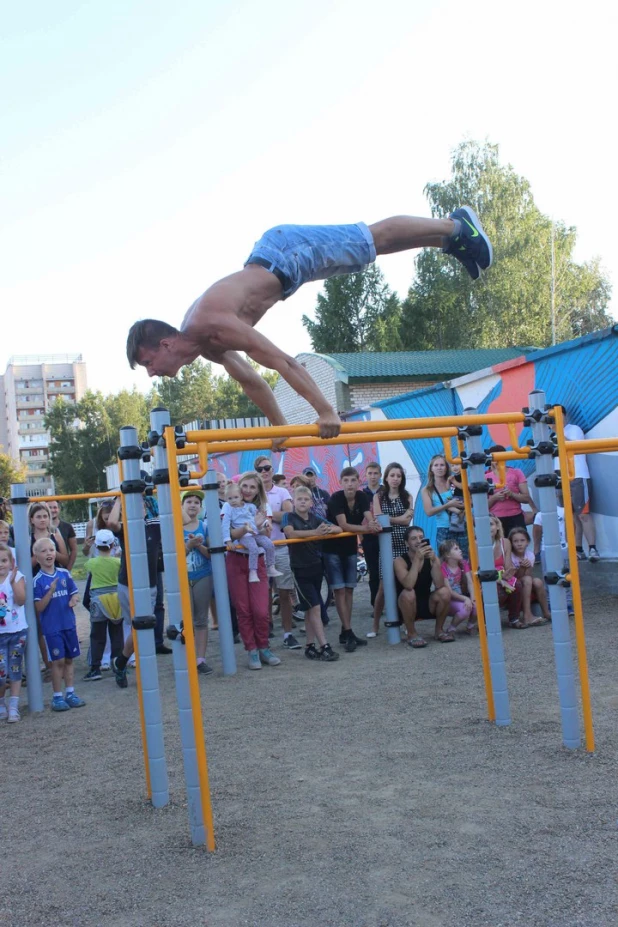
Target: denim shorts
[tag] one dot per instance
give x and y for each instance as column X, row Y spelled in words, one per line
column 297, row 254
column 12, row 648
column 341, row 570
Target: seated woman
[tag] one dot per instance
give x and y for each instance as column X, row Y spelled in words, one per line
column 533, row 588
column 509, row 587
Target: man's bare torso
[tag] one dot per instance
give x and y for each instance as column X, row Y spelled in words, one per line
column 245, row 295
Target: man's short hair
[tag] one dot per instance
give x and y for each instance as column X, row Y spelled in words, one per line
column 373, row 465
column 349, row 471
column 258, row 460
column 497, row 449
column 147, row 333
column 302, row 491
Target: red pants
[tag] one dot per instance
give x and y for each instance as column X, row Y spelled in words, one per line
column 249, row 599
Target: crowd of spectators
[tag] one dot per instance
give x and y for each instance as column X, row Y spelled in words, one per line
column 292, row 549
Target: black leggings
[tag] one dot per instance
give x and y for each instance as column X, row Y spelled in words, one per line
column 98, row 636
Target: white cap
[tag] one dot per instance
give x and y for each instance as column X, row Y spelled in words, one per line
column 104, row 538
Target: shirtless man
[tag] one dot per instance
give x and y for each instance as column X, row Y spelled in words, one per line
column 221, row 322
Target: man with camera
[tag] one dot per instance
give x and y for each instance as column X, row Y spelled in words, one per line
column 415, row 573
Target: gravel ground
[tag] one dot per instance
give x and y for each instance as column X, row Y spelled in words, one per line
column 367, row 793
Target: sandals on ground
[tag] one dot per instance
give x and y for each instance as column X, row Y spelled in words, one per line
column 445, row 638
column 517, row 625
column 417, row 643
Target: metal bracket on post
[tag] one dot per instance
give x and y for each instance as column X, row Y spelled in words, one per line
column 21, row 530
column 546, row 481
column 476, row 459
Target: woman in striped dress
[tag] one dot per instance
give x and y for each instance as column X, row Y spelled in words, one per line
column 394, row 500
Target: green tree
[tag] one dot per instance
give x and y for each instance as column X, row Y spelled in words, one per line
column 511, row 304
column 129, row 408
column 197, row 393
column 11, row 471
column 82, row 443
column 356, row 312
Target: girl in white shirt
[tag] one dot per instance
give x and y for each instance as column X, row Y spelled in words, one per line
column 13, row 633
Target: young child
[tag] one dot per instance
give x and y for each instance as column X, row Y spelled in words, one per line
column 509, row 587
column 533, row 588
column 13, row 632
column 199, row 569
column 55, row 597
column 5, row 536
column 104, row 607
column 239, row 514
column 456, row 571
column 308, row 569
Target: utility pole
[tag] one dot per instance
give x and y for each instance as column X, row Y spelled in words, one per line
column 553, row 286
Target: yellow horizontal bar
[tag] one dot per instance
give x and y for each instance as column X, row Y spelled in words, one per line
column 593, row 446
column 349, row 428
column 77, row 495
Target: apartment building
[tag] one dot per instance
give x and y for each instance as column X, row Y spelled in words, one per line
column 28, row 389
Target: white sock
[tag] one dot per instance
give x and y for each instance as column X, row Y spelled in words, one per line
column 13, row 701
column 70, row 690
column 57, row 694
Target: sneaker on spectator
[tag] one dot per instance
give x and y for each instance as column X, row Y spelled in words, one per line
column 290, row 642
column 59, row 704
column 327, row 654
column 348, row 641
column 93, row 674
column 120, row 674
column 268, row 658
column 204, row 669
column 14, row 715
column 253, row 658
column 105, row 667
column 593, row 554
column 298, row 614
column 581, row 555
column 311, row 653
column 73, row 700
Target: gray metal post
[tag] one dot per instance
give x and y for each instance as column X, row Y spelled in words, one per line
column 21, row 532
column 143, row 620
column 159, row 419
column 385, row 544
column 545, row 481
column 219, row 574
column 476, row 461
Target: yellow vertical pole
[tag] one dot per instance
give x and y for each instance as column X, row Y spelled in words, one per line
column 580, row 636
column 187, row 625
column 138, row 678
column 478, row 594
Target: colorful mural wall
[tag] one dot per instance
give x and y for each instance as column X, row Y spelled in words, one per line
column 582, row 375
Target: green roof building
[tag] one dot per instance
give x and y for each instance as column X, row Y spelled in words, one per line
column 356, row 381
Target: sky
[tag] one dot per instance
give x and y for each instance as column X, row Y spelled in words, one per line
column 146, row 145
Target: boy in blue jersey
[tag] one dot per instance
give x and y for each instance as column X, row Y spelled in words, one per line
column 55, row 596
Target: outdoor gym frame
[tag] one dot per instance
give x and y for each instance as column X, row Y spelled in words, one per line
column 461, row 438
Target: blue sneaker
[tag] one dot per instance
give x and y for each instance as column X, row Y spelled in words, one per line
column 268, row 658
column 471, row 247
column 253, row 657
column 73, row 700
column 60, row 704
column 120, row 674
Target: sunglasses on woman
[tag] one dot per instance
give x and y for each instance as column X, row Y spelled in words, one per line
column 263, row 469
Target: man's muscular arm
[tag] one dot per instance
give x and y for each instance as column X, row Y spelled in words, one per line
column 227, row 334
column 254, row 386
